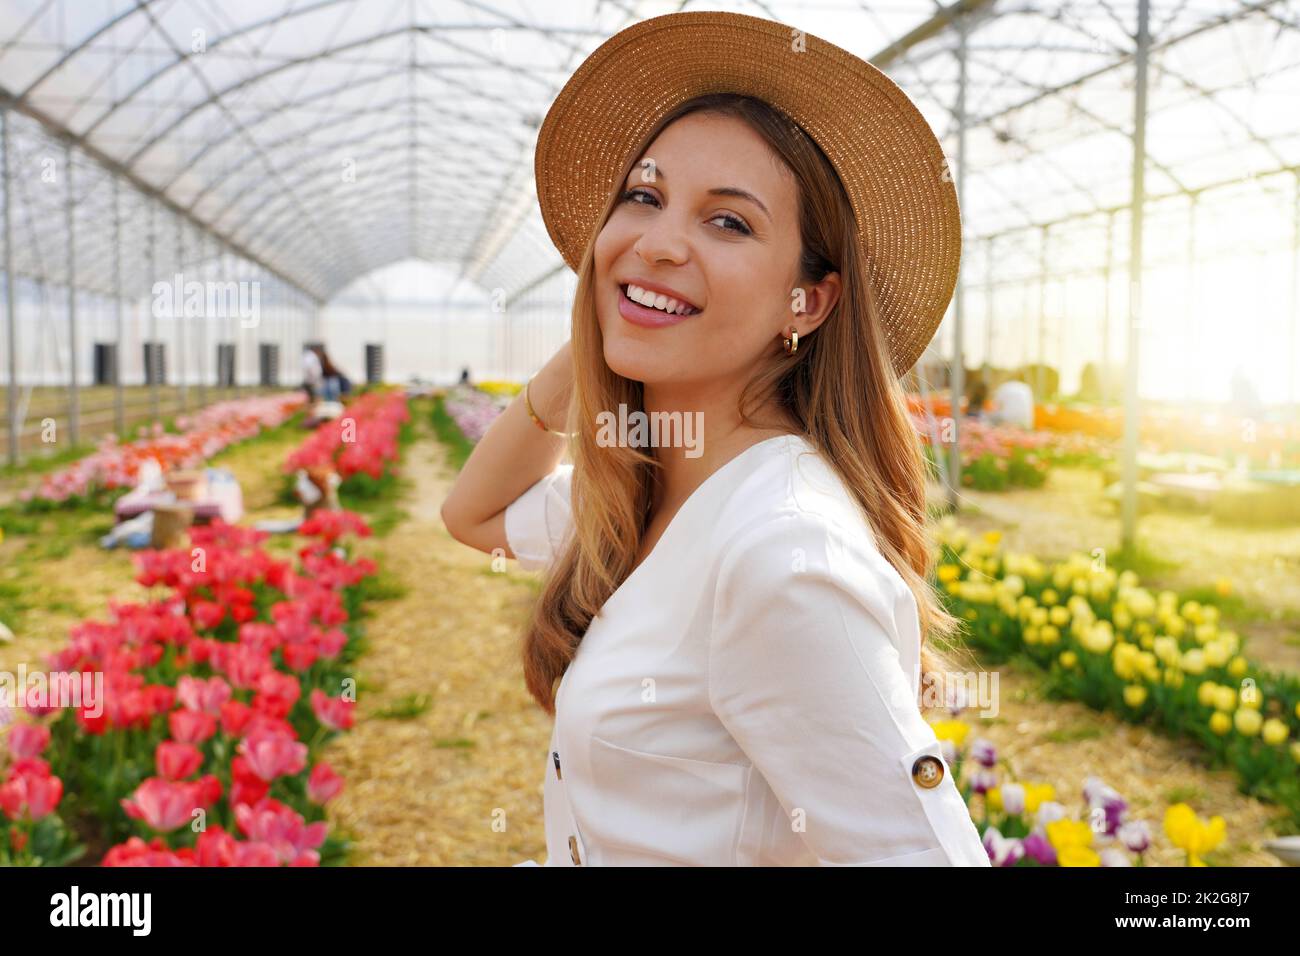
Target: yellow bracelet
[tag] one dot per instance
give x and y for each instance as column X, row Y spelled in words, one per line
column 528, row 404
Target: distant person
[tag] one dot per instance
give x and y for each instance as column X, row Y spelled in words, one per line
column 464, row 375
column 313, row 374
column 1245, row 399
column 979, row 393
column 1015, row 405
column 336, row 383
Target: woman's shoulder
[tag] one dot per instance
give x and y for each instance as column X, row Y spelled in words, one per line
column 793, row 509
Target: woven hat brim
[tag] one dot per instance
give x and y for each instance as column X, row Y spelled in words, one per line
column 889, row 159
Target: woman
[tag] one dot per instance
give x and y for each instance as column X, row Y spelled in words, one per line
column 336, row 384
column 736, row 625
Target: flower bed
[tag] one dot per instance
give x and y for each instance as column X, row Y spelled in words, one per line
column 1116, row 646
column 362, row 444
column 216, row 699
column 217, row 696
column 473, row 410
column 114, row 466
column 1024, row 824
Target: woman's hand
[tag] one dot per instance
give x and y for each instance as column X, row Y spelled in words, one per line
column 510, row 458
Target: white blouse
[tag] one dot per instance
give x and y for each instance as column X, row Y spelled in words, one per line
column 748, row 696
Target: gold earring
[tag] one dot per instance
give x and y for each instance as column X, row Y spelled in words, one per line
column 792, row 343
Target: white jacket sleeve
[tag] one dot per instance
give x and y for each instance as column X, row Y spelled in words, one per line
column 805, row 673
column 539, row 520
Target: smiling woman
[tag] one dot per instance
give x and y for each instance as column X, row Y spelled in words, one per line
column 739, row 631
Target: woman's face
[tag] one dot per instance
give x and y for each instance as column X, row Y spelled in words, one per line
column 733, row 257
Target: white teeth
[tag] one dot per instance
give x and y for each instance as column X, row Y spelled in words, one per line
column 655, row 301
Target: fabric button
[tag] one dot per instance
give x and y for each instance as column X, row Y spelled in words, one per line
column 573, row 850
column 555, row 754
column 927, row 772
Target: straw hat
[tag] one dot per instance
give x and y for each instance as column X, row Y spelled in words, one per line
column 889, row 159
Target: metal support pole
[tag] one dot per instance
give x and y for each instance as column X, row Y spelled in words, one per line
column 182, row 372
column 203, row 326
column 988, row 303
column 74, row 394
column 1132, row 406
column 957, row 373
column 119, row 402
column 1295, row 294
column 1193, row 301
column 11, row 314
column 154, row 365
column 1040, row 373
column 1104, row 384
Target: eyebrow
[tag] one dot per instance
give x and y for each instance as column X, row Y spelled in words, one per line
column 735, row 191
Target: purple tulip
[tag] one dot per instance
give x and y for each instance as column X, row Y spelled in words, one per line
column 983, row 752
column 1037, row 847
column 1002, row 851
column 1136, row 835
column 982, row 780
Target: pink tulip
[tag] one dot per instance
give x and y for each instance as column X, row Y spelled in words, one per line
column 162, row 804
column 191, row 726
column 203, row 695
column 30, row 795
column 28, row 740
column 324, row 784
column 334, row 712
column 272, row 755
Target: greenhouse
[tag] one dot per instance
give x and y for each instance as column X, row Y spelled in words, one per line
column 273, row 270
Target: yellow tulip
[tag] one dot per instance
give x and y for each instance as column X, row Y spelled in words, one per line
column 1247, row 721
column 1275, row 731
column 1205, row 693
column 1194, row 661
column 1223, row 586
column 1295, row 750
column 1077, row 856
column 1135, row 695
column 949, row 573
column 1187, row 832
column 1225, row 698
column 1036, row 793
column 953, row 730
column 1049, row 635
column 1216, row 655
column 1065, row 833
column 1068, row 659
column 1049, row 596
column 993, row 537
column 1237, row 666
column 1220, row 722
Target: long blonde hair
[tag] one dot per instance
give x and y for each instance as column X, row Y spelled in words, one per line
column 840, row 387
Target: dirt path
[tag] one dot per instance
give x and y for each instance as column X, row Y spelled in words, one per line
column 427, row 789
